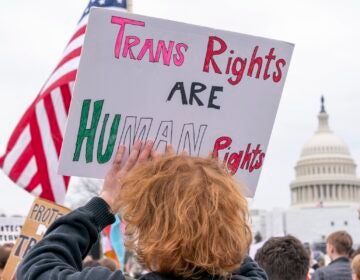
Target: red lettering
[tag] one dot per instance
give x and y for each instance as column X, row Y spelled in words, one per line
column 147, row 47
column 234, row 162
column 122, row 22
column 237, row 65
column 255, row 60
column 259, row 163
column 238, row 73
column 229, row 63
column 130, row 41
column 269, row 58
column 220, row 144
column 165, row 51
column 211, row 52
column 255, row 152
column 179, row 57
column 249, row 159
column 277, row 76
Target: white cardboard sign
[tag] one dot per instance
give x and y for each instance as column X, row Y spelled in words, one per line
column 199, row 89
column 10, row 228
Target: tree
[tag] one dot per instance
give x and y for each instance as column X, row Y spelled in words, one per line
column 81, row 191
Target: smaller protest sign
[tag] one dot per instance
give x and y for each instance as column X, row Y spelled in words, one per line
column 10, row 228
column 41, row 215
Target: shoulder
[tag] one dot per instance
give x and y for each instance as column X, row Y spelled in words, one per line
column 319, row 274
column 250, row 269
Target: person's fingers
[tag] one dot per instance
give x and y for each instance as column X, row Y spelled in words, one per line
column 134, row 154
column 153, row 153
column 118, row 157
column 211, row 155
column 144, row 155
column 169, row 150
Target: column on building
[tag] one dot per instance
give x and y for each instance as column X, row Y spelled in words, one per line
column 312, row 196
column 293, row 196
column 346, row 192
column 328, row 195
column 339, row 191
column 321, row 192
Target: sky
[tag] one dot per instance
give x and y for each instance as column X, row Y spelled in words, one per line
column 325, row 62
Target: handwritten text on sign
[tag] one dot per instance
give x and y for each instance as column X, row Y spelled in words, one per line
column 41, row 215
column 196, row 88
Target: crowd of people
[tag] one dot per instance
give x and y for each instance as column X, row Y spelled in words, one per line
column 186, row 218
column 281, row 258
column 287, row 258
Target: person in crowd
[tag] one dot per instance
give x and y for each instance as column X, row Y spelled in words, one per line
column 355, row 265
column 338, row 246
column 284, row 258
column 186, row 218
column 355, row 253
column 5, row 251
column 312, row 262
column 319, row 260
column 258, row 242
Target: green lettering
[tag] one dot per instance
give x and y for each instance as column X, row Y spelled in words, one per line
column 102, row 158
column 88, row 133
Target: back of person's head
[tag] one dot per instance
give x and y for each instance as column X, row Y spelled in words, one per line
column 108, row 263
column 185, row 216
column 284, row 258
column 355, row 265
column 341, row 241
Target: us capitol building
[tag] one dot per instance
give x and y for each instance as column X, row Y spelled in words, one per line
column 325, row 194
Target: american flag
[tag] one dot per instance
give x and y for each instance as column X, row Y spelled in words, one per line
column 33, row 150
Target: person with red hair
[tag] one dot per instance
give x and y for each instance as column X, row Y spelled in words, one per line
column 186, row 218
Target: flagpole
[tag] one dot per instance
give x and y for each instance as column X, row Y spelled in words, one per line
column 130, row 6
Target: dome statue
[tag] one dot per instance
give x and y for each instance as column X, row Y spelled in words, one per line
column 325, row 173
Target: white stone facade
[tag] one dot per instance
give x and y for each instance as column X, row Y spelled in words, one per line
column 325, row 194
column 325, row 174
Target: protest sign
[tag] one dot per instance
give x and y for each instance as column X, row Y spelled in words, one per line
column 196, row 88
column 41, row 215
column 10, row 228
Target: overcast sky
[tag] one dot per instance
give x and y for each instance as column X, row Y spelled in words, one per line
column 325, row 62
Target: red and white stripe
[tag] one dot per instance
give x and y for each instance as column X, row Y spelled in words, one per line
column 32, row 154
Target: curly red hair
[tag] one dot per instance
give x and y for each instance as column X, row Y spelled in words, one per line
column 185, row 216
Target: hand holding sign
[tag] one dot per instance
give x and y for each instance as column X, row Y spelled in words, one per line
column 112, row 183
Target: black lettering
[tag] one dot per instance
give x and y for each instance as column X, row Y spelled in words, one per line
column 38, row 214
column 213, row 97
column 196, row 87
column 179, row 86
column 31, row 243
column 20, row 246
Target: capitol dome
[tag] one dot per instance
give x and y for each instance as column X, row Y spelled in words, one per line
column 325, row 172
